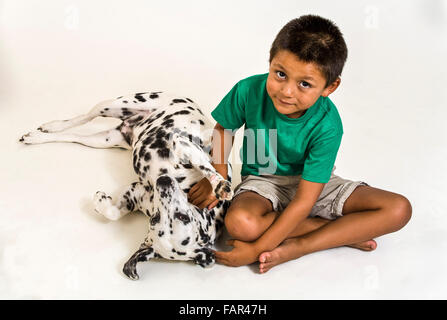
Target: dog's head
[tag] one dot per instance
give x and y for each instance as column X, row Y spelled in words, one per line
column 178, row 226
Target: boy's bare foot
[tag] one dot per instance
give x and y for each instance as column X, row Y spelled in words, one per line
column 369, row 245
column 290, row 250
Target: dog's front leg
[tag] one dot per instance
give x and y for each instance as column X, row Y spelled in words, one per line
column 128, row 201
column 189, row 153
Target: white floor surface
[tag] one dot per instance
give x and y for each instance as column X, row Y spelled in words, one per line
column 54, row 246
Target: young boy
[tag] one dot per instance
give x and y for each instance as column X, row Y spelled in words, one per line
column 294, row 204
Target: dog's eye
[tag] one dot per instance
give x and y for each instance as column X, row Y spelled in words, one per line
column 182, row 217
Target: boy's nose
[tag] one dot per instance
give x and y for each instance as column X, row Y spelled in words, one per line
column 287, row 91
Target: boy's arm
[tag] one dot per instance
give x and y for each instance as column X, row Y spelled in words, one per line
column 298, row 209
column 221, row 145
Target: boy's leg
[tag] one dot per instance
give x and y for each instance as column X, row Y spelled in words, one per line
column 367, row 213
column 248, row 216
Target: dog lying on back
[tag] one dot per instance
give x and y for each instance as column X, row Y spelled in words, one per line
column 170, row 139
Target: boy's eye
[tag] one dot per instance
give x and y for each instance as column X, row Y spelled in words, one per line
column 281, row 74
column 305, row 84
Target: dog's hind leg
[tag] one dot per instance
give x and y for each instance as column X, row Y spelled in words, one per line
column 109, row 108
column 128, row 201
column 106, row 139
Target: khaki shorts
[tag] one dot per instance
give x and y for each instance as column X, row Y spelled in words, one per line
column 280, row 190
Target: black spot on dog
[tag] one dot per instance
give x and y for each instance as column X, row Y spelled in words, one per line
column 190, row 108
column 201, row 122
column 130, row 205
column 142, row 152
column 203, row 236
column 181, row 112
column 164, row 153
column 168, row 123
column 155, row 219
column 158, row 144
column 154, row 96
column 161, row 233
column 126, row 112
column 178, row 101
column 147, row 157
column 161, row 134
column 140, row 98
column 136, row 166
column 189, row 100
column 180, row 179
column 125, row 101
column 163, row 171
column 185, row 242
column 148, row 140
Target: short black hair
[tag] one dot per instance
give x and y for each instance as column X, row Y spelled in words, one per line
column 314, row 39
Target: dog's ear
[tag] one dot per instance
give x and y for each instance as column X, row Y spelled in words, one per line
column 142, row 254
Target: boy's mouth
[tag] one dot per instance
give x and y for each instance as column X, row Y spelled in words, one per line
column 285, row 102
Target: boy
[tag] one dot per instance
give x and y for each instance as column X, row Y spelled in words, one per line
column 295, row 205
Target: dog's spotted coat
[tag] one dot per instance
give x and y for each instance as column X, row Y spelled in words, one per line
column 170, row 139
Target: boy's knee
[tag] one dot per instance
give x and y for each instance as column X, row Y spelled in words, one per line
column 401, row 211
column 242, row 225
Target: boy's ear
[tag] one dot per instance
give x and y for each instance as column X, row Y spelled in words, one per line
column 331, row 88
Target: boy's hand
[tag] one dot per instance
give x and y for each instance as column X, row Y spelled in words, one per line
column 242, row 254
column 202, row 195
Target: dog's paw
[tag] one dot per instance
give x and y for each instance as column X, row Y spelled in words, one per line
column 53, row 126
column 205, row 258
column 34, row 137
column 104, row 206
column 223, row 190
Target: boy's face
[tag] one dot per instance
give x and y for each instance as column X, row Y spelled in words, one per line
column 294, row 86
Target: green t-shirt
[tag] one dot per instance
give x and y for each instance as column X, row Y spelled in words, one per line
column 276, row 144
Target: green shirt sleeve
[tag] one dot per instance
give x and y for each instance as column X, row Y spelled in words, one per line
column 321, row 158
column 230, row 112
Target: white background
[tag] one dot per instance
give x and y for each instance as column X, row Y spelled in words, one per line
column 59, row 58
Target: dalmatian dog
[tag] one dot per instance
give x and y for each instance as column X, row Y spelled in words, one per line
column 170, row 139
